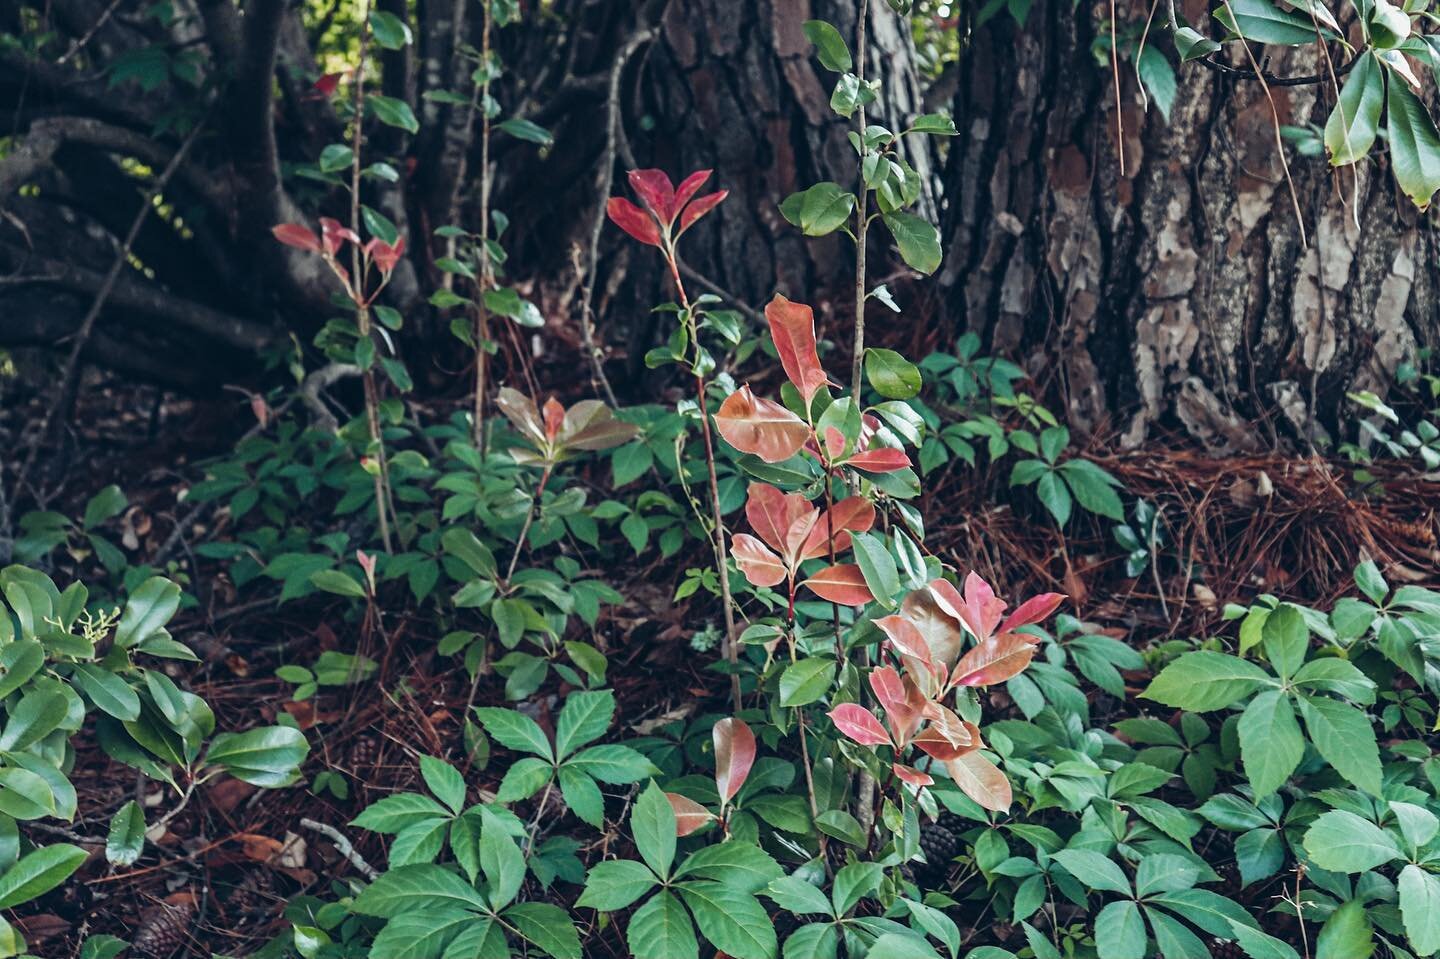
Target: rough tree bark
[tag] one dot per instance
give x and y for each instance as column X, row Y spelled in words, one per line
column 1179, row 296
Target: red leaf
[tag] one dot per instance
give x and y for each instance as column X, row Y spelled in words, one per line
column 760, row 566
column 994, row 661
column 859, row 724
column 327, row 84
column 854, row 514
column 881, row 459
column 688, row 188
column 942, row 632
column 689, row 814
column 979, row 779
column 934, row 744
column 699, row 208
column 841, row 583
column 385, row 255
column 901, row 700
column 633, row 220
column 759, row 426
column 772, row 513
column 1032, row 611
column 979, row 610
column 734, row 755
column 657, row 192
column 792, row 326
column 300, row 237
column 911, row 775
column 335, row 233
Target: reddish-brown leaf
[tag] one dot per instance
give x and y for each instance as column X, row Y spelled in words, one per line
column 688, row 188
column 879, row 459
column 979, row 609
column 689, row 814
column 520, row 410
column 901, row 700
column 699, row 208
column 334, row 234
column 734, row 755
column 298, row 236
column 633, row 220
column 854, row 514
column 842, row 583
column 656, row 190
column 981, row 780
column 859, row 724
column 994, row 661
column 914, row 652
column 1032, row 611
column 792, row 326
column 941, row 631
column 772, row 513
column 911, row 775
column 327, row 85
column 761, row 427
column 935, row 744
column 760, row 566
column 554, row 415
column 384, row 255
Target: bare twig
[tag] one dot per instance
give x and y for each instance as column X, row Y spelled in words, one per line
column 344, row 847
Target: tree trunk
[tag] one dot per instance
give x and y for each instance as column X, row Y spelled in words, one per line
column 1179, row 295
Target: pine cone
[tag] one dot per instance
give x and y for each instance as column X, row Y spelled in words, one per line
column 253, row 895
column 364, row 754
column 163, row 927
column 940, row 846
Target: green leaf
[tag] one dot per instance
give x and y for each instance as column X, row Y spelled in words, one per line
column 612, row 764
column 584, row 718
column 1347, row 934
column 1414, row 145
column 582, row 796
column 147, row 611
column 839, row 824
column 1094, row 488
column 824, row 208
column 1192, row 44
column 806, row 681
column 338, row 582
column 425, row 935
column 615, row 884
column 743, row 865
column 890, row 374
column 444, row 781
column 1262, row 22
column 854, row 882
column 1210, row 911
column 1259, row 945
column 395, row 812
column 1417, row 824
column 1286, row 639
column 661, row 929
column 1053, row 493
column 878, row 567
column 919, row 242
column 1172, row 939
column 269, row 756
column 464, row 546
column 393, row 112
column 38, row 872
column 1343, row 842
column 21, row 660
column 652, row 823
column 418, row 888
column 127, row 835
column 514, row 730
column 546, row 926
column 1093, row 870
column 798, row 896
column 1120, row 932
column 829, row 45
column 39, row 712
column 731, row 920
column 1271, row 744
column 109, row 693
column 389, row 31
column 523, row 129
column 524, row 779
column 935, row 123
column 107, row 504
column 1164, row 872
column 501, row 862
column 1353, row 124
column 1371, row 581
column 1343, row 735
column 1420, row 908
column 1204, row 681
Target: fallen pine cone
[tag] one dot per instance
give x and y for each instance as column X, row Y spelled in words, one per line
column 164, row 927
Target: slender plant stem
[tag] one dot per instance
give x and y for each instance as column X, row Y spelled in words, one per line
column 857, row 363
column 525, row 529
column 801, row 727
column 357, row 272
column 482, row 313
column 722, row 558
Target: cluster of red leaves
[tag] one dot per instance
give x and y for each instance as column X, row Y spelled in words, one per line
column 333, row 237
column 925, row 638
column 664, row 204
column 791, row 531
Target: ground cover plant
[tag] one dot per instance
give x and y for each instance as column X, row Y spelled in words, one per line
column 710, row 602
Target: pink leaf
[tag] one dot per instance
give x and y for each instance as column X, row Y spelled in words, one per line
column 901, row 700
column 979, row 779
column 942, row 631
column 841, row 583
column 854, row 514
column 335, row 233
column 689, row 187
column 934, row 744
column 633, row 220
column 734, row 755
column 760, row 566
column 772, row 513
column 1032, row 611
column 300, row 237
column 657, row 192
column 554, row 415
column 385, row 255
column 689, row 814
column 979, row 610
column 881, row 459
column 994, row 661
column 760, row 427
column 911, row 775
column 326, row 85
column 792, row 326
column 859, row 724
column 699, row 208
